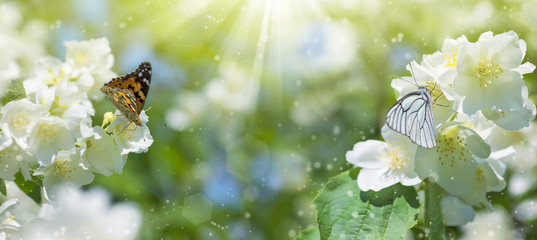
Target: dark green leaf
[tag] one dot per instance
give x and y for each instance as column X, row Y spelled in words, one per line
column 3, row 189
column 31, row 188
column 16, row 90
column 344, row 212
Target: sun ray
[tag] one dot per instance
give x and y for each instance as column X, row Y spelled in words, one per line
column 260, row 34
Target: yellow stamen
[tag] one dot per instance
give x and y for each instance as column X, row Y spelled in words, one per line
column 451, row 150
column 451, row 58
column 395, row 157
column 487, row 72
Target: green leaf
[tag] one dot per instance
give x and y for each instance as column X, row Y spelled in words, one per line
column 31, row 188
column 3, row 188
column 311, row 233
column 433, row 210
column 16, row 90
column 344, row 212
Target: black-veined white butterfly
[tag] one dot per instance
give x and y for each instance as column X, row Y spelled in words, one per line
column 412, row 116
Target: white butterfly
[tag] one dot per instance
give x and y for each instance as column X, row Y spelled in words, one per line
column 412, row 116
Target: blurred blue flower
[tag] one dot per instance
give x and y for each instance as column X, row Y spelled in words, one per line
column 223, row 188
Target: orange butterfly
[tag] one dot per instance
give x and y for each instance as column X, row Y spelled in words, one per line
column 129, row 92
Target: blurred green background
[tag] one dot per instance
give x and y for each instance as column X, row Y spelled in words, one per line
column 254, row 103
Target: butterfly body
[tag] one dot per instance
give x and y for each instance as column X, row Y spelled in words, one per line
column 129, row 92
column 412, row 116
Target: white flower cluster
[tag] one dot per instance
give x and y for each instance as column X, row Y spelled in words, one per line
column 74, row 214
column 47, row 135
column 478, row 92
column 51, row 128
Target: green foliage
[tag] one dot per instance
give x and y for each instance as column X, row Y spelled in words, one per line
column 32, row 188
column 15, row 91
column 345, row 212
column 311, row 233
column 433, row 211
column 3, row 189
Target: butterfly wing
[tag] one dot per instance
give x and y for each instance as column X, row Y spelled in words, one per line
column 137, row 82
column 123, row 100
column 140, row 87
column 412, row 116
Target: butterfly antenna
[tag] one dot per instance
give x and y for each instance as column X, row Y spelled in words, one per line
column 412, row 72
column 400, row 78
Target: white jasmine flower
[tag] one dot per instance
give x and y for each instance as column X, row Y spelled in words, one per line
column 78, row 118
column 19, row 118
column 452, row 163
column 49, row 71
column 89, row 56
column 65, row 169
column 7, row 219
column 16, row 211
column 488, row 75
column 443, row 64
column 27, row 209
column 384, row 163
column 130, row 137
column 446, row 59
column 50, row 135
column 68, row 93
column 85, row 215
column 73, row 106
column 100, row 153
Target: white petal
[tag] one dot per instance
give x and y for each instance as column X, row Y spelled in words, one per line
column 103, row 155
column 410, row 179
column 130, row 137
column 505, row 92
column 365, row 154
column 375, row 179
column 525, row 68
column 512, row 120
column 50, row 135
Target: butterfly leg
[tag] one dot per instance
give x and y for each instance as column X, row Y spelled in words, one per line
column 441, row 105
column 125, row 127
